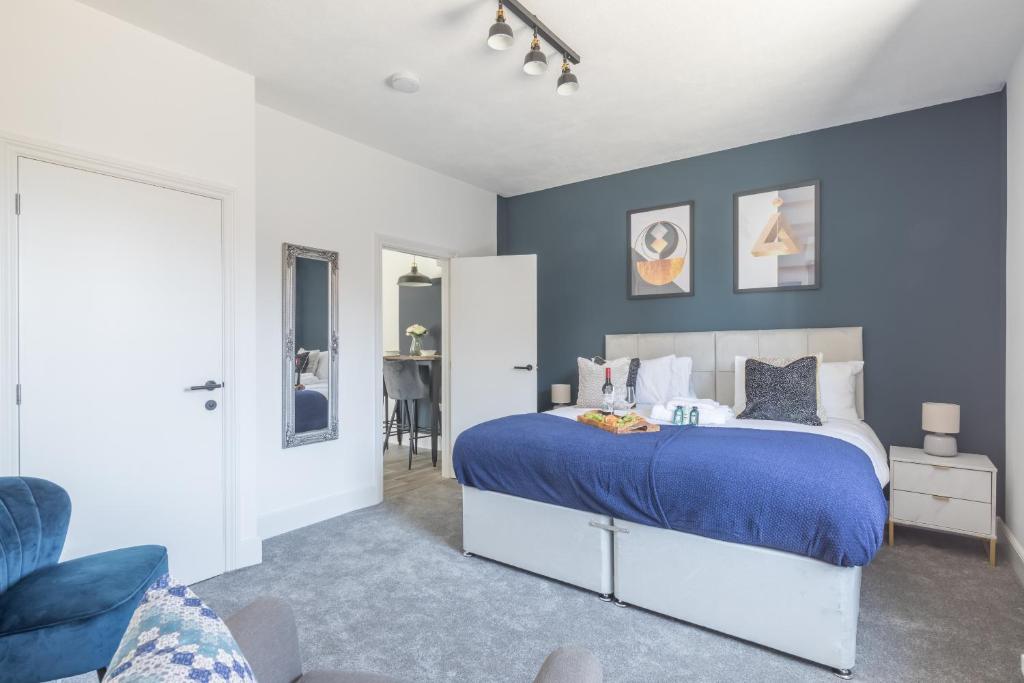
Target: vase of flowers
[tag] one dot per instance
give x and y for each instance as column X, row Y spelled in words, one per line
column 416, row 332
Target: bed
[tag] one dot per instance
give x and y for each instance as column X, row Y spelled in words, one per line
column 311, row 404
column 795, row 592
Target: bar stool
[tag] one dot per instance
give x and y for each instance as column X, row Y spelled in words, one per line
column 405, row 386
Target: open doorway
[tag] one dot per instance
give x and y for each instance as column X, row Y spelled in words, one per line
column 413, row 335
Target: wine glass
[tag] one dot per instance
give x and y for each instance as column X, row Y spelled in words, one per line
column 630, row 396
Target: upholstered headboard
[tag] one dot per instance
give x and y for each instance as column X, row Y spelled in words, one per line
column 714, row 353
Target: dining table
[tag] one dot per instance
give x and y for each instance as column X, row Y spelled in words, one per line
column 433, row 363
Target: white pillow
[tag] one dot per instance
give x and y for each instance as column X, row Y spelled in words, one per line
column 654, row 380
column 839, row 388
column 682, row 378
column 740, row 381
column 660, row 380
column 591, row 378
column 323, row 364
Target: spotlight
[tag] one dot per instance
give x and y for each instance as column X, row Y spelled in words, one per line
column 536, row 62
column 500, row 36
column 567, row 82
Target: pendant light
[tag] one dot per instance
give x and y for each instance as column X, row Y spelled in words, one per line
column 536, row 62
column 500, row 37
column 567, row 82
column 414, row 278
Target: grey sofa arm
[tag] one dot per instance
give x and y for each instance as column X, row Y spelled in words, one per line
column 570, row 665
column 265, row 632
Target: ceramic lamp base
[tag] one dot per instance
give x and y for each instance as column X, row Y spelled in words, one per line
column 942, row 445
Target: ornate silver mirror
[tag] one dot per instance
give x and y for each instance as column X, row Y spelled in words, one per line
column 310, row 363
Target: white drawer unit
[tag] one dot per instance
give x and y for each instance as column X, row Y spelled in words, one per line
column 955, row 494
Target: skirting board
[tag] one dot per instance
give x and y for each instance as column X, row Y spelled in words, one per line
column 1013, row 550
column 288, row 519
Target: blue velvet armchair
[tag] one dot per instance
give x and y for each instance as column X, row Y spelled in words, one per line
column 67, row 618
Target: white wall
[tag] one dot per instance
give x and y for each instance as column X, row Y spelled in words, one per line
column 75, row 77
column 394, row 264
column 1015, row 306
column 323, row 190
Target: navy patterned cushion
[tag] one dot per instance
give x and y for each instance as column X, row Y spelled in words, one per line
column 788, row 393
column 174, row 638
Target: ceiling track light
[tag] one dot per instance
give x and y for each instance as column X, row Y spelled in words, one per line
column 500, row 37
column 567, row 81
column 536, row 62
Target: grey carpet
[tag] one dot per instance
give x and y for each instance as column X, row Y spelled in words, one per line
column 386, row 589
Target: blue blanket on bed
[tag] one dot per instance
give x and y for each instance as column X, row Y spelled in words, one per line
column 310, row 411
column 802, row 493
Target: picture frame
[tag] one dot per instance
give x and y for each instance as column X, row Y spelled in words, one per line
column 777, row 238
column 659, row 251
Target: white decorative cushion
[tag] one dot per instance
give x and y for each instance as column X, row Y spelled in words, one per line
column 591, row 378
column 740, row 381
column 312, row 361
column 174, row 638
column 839, row 388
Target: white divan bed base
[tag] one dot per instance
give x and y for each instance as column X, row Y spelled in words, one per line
column 554, row 541
column 794, row 604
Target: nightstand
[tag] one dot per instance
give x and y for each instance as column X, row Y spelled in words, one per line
column 956, row 495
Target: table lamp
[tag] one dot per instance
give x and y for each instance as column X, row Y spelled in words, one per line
column 940, row 421
column 561, row 394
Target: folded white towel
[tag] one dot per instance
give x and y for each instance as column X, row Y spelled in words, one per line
column 711, row 412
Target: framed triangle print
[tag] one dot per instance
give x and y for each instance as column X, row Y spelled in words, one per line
column 777, row 238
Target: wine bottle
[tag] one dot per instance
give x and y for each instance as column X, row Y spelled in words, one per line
column 607, row 393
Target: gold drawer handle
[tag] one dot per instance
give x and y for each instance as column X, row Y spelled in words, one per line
column 944, row 499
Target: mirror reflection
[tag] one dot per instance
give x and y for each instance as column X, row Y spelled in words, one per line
column 310, row 386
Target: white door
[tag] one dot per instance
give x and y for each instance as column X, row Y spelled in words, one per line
column 493, row 338
column 120, row 311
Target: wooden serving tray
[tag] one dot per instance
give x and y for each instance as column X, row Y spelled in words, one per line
column 640, row 426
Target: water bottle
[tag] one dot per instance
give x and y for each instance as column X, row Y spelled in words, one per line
column 694, row 416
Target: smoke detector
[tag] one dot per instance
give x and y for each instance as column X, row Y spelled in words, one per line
column 404, row 81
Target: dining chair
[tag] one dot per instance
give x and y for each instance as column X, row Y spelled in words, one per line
column 404, row 384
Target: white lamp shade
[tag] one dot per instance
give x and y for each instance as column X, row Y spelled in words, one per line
column 561, row 393
column 940, row 418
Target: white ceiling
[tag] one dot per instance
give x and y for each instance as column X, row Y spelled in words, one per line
column 661, row 79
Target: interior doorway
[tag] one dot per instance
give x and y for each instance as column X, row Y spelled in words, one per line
column 413, row 318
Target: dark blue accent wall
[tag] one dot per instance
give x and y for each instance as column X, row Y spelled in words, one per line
column 311, row 313
column 913, row 235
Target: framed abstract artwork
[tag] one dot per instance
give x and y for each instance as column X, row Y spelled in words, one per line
column 660, row 251
column 777, row 238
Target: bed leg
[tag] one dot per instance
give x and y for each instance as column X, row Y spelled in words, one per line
column 845, row 674
column 604, row 597
column 619, row 603
column 466, row 553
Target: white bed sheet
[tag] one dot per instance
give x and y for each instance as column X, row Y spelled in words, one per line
column 855, row 432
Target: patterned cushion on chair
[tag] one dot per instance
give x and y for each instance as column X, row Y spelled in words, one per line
column 174, row 637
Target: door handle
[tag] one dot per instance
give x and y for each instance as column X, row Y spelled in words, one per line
column 523, row 367
column 209, row 386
